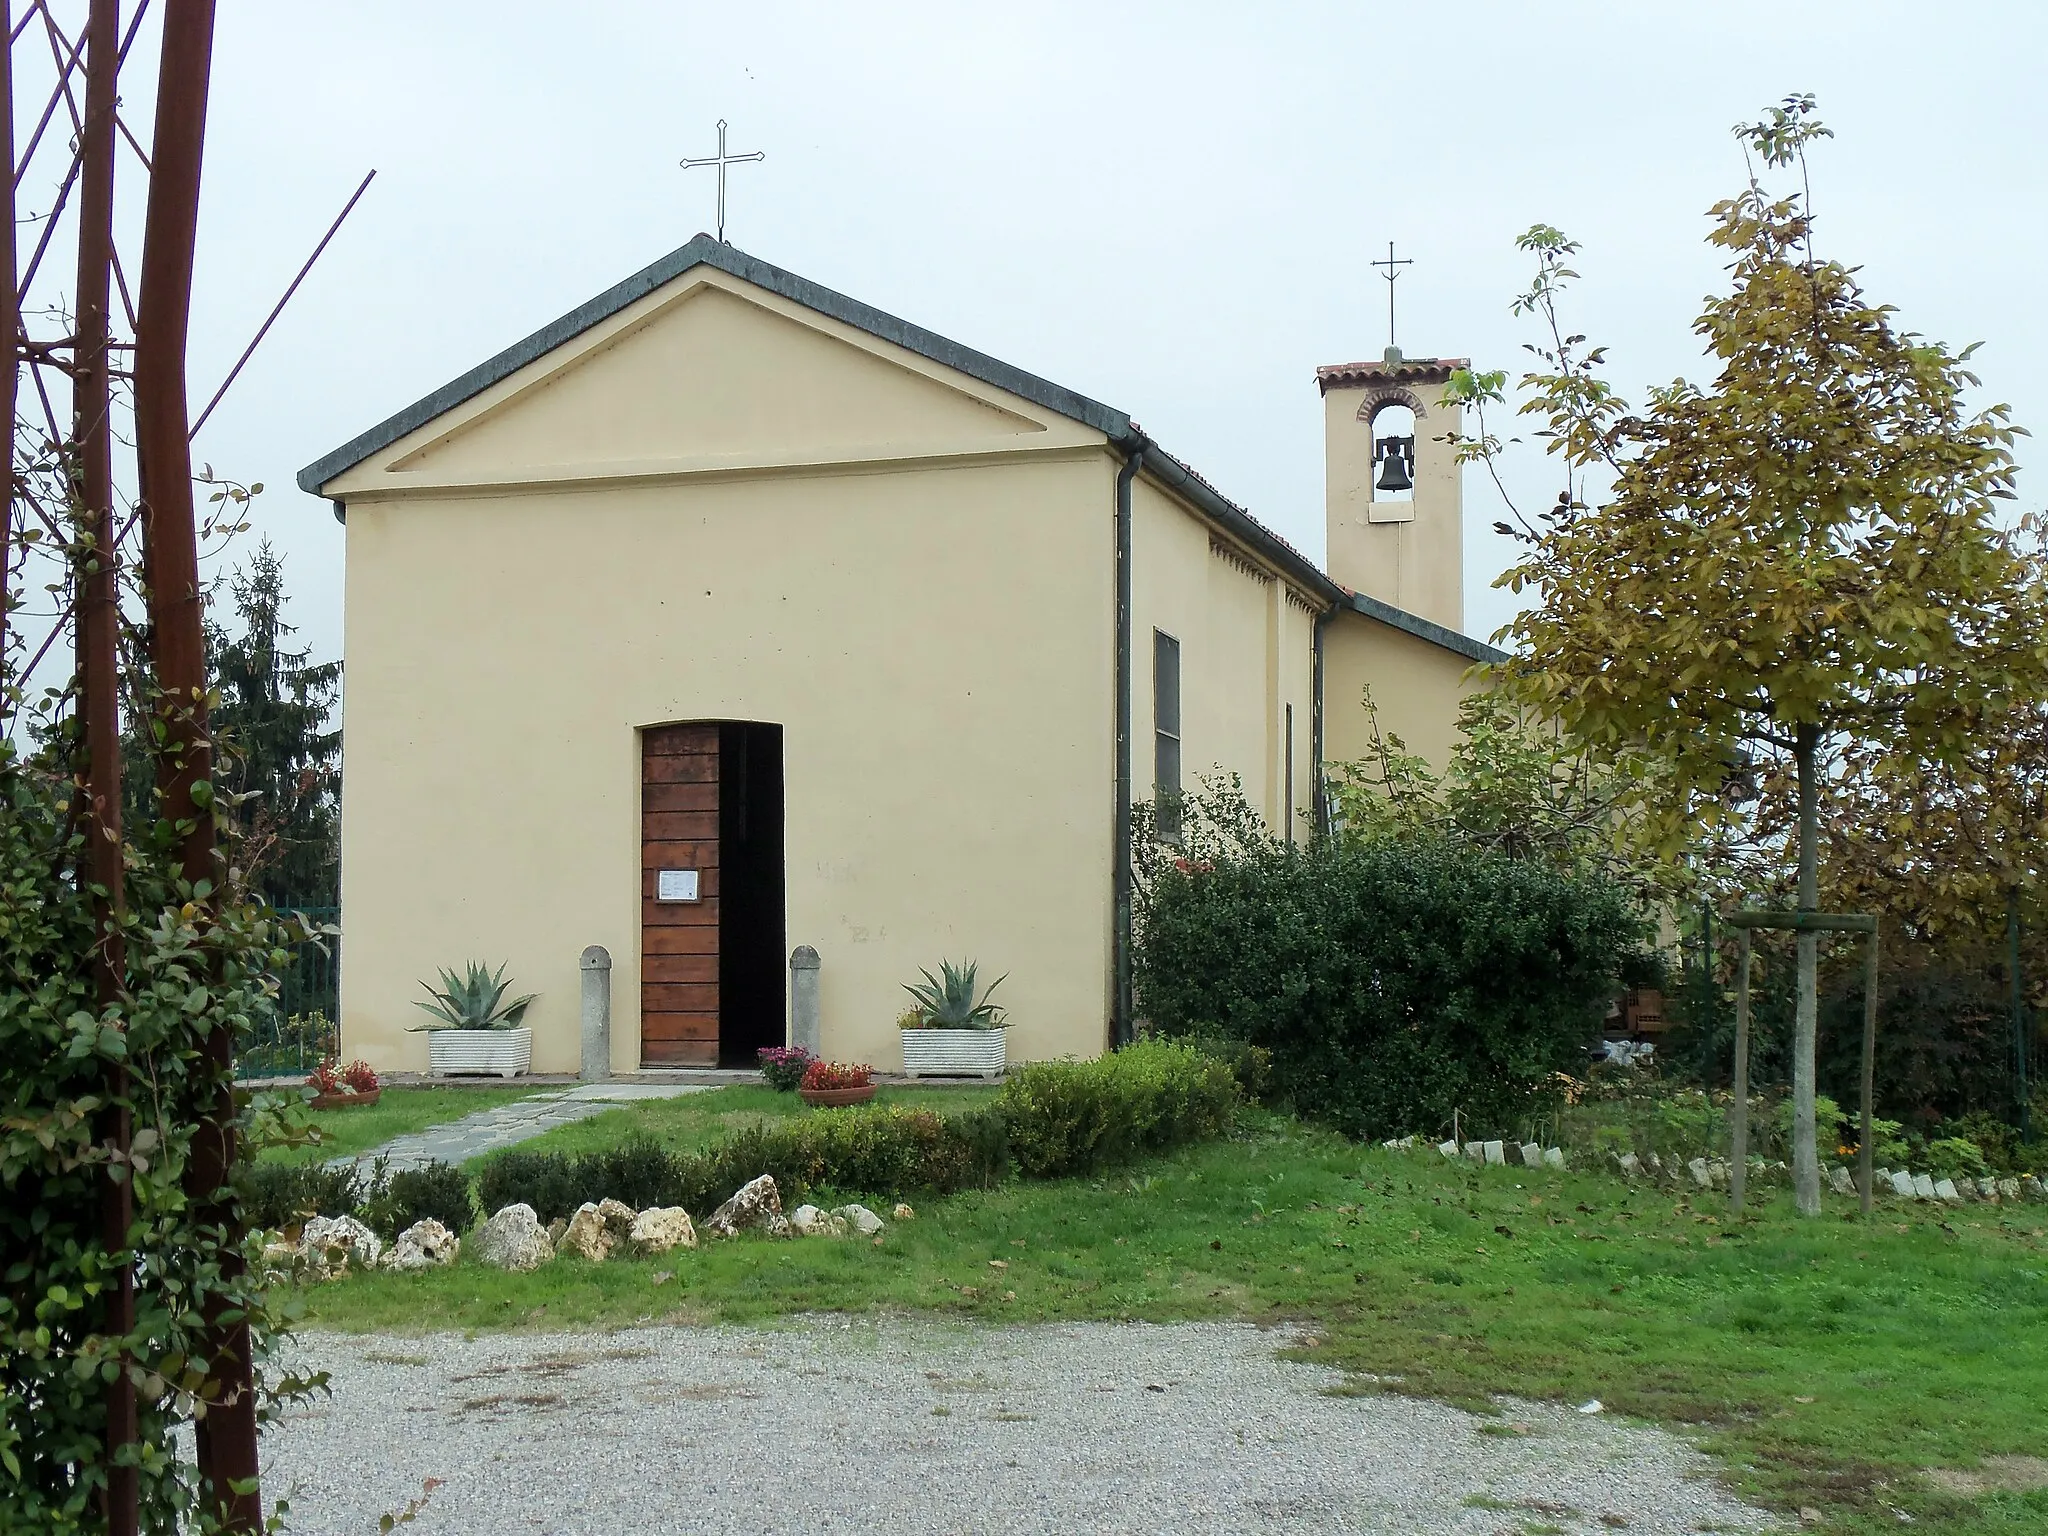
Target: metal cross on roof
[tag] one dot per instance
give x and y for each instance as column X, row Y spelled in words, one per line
column 1393, row 271
column 722, row 160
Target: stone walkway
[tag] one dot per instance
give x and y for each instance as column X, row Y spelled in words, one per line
column 491, row 1130
column 841, row 1425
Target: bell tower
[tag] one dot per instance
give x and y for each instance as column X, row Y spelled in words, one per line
column 1395, row 503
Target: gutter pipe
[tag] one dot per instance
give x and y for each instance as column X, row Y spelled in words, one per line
column 1315, row 730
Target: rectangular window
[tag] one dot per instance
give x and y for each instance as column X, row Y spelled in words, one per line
column 1166, row 735
column 1290, row 773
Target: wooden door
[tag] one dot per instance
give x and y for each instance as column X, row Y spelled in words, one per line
column 679, row 938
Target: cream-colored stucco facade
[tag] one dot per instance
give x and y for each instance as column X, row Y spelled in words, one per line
column 721, row 494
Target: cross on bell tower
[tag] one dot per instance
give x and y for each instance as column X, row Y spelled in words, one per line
column 722, row 160
column 1393, row 271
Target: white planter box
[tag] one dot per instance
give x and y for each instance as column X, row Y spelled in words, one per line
column 459, row 1052
column 954, row 1052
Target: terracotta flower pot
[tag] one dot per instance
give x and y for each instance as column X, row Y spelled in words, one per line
column 825, row 1098
column 347, row 1100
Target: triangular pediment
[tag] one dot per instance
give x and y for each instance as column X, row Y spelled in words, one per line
column 712, row 374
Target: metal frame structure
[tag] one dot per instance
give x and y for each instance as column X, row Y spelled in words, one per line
column 76, row 507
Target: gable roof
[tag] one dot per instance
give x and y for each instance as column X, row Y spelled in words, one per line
column 1123, row 433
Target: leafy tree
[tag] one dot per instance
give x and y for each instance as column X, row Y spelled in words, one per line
column 1796, row 571
column 279, row 745
column 1514, row 785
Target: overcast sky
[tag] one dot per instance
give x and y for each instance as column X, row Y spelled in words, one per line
column 1168, row 207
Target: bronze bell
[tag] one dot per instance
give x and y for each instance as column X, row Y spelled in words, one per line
column 1397, row 463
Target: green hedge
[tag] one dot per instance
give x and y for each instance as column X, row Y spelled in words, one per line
column 1052, row 1120
column 279, row 1195
column 872, row 1149
column 1393, row 982
column 1079, row 1117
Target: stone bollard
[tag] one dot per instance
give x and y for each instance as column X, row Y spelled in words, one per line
column 805, row 1030
column 596, row 966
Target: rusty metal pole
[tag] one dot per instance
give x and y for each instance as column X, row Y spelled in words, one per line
column 99, row 699
column 1738, row 1158
column 10, row 315
column 1866, row 1154
column 227, row 1433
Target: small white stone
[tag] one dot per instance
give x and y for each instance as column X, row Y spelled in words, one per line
column 905, row 1213
column 1840, row 1181
column 423, row 1245
column 2008, row 1189
column 1923, row 1187
column 1630, row 1164
column 1448, row 1148
column 618, row 1219
column 586, row 1236
column 809, row 1221
column 1902, row 1184
column 1987, row 1189
column 661, row 1228
column 1945, row 1189
column 1532, row 1155
column 755, row 1205
column 1702, row 1175
column 860, row 1218
column 512, row 1239
column 332, row 1243
column 1496, row 1154
column 1553, row 1157
column 1476, row 1151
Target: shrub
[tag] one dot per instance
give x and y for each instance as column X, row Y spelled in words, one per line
column 550, row 1182
column 1251, row 1065
column 1999, row 1143
column 1393, row 982
column 280, row 1195
column 359, row 1077
column 1077, row 1117
column 783, row 1066
column 828, row 1075
column 1956, row 1157
column 435, row 1191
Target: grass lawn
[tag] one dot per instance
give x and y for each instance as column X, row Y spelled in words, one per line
column 691, row 1122
column 400, row 1112
column 1827, row 1363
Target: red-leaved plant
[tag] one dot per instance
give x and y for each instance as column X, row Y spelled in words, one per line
column 838, row 1074
column 332, row 1077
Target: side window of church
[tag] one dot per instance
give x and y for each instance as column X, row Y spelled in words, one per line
column 1166, row 735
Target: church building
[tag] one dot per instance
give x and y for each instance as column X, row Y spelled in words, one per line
column 727, row 615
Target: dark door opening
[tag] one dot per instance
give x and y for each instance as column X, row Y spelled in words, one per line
column 751, row 974
column 711, row 926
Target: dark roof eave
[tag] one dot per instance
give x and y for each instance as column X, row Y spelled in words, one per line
column 1426, row 629
column 705, row 251
column 1234, row 520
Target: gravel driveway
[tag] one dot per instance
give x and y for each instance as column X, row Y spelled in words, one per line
column 897, row 1426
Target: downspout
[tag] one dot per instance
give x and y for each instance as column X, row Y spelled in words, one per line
column 1315, row 730
column 1120, row 938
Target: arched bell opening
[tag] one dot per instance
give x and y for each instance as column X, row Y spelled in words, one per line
column 1393, row 452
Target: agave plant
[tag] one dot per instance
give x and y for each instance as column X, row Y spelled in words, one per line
column 949, row 1000
column 474, row 1001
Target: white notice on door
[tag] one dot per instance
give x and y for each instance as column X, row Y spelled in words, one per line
column 676, row 885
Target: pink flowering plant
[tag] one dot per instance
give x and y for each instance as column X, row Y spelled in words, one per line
column 784, row 1065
